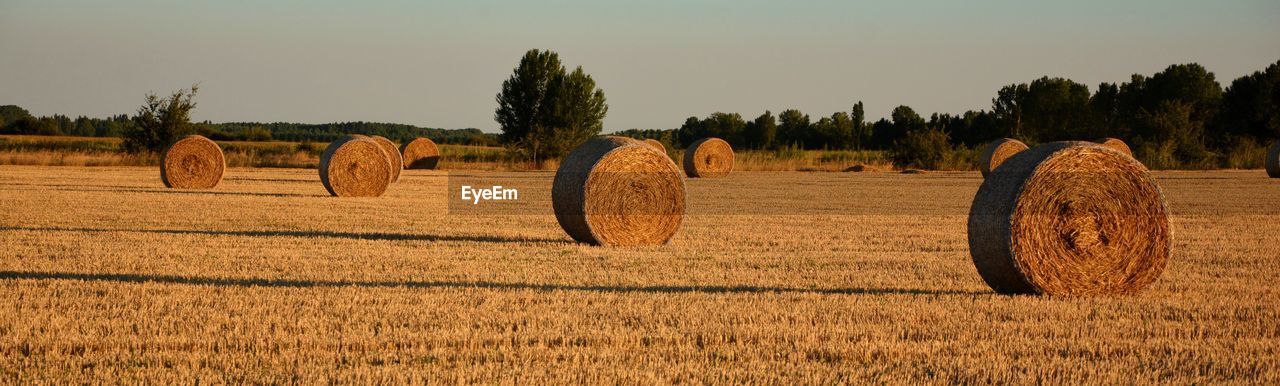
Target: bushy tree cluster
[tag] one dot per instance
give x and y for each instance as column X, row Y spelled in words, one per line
column 1180, row 117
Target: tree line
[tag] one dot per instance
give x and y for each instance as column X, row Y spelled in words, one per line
column 16, row 120
column 1178, row 117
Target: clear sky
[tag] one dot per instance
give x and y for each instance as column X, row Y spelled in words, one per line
column 439, row 64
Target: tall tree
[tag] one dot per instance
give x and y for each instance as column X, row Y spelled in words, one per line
column 761, row 132
column 577, row 111
column 161, row 121
column 861, row 128
column 1251, row 106
column 545, row 111
column 793, row 127
column 524, row 102
column 1048, row 109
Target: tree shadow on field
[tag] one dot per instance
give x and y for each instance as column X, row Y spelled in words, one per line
column 384, row 236
column 288, row 283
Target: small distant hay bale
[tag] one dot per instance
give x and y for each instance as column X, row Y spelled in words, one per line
column 614, row 191
column 193, row 162
column 656, row 145
column 1070, row 218
column 997, row 152
column 394, row 159
column 420, row 153
column 1115, row 144
column 708, row 158
column 355, row 166
column 1273, row 160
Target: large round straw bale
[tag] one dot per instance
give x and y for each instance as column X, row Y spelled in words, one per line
column 656, row 145
column 1115, row 143
column 708, row 158
column 355, row 166
column 420, row 153
column 1069, row 218
column 997, row 152
column 393, row 155
column 618, row 192
column 193, row 162
column 1273, row 160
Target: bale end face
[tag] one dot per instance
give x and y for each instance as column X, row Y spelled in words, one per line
column 193, row 162
column 997, row 152
column 708, row 158
column 420, row 153
column 355, row 166
column 618, row 192
column 1069, row 218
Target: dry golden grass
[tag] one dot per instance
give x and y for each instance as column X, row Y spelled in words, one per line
column 819, row 278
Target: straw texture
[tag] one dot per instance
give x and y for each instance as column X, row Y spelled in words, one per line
column 394, row 160
column 997, row 152
column 355, row 166
column 1273, row 160
column 656, row 145
column 618, row 192
column 1069, row 218
column 708, row 158
column 193, row 162
column 1115, row 144
column 420, row 153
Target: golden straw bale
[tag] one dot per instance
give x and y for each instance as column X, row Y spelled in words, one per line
column 193, row 162
column 618, row 192
column 708, row 158
column 355, row 166
column 998, row 151
column 1069, row 218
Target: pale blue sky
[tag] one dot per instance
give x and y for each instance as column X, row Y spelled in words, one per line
column 439, row 64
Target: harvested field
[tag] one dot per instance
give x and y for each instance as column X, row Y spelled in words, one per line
column 774, row 276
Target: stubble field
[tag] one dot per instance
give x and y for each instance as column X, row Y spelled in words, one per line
column 775, row 277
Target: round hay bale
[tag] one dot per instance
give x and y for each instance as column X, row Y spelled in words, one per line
column 656, row 145
column 1069, row 218
column 618, row 192
column 420, row 153
column 355, row 166
column 1115, row 144
column 193, row 162
column 708, row 158
column 1273, row 160
column 997, row 152
column 393, row 156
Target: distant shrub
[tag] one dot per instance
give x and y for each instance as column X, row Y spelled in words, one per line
column 924, row 149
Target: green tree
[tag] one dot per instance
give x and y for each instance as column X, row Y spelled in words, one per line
column 160, row 121
column 1251, row 106
column 861, row 135
column 524, row 103
column 11, row 114
column 793, row 128
column 545, row 111
column 761, row 132
column 577, row 113
column 1048, row 109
